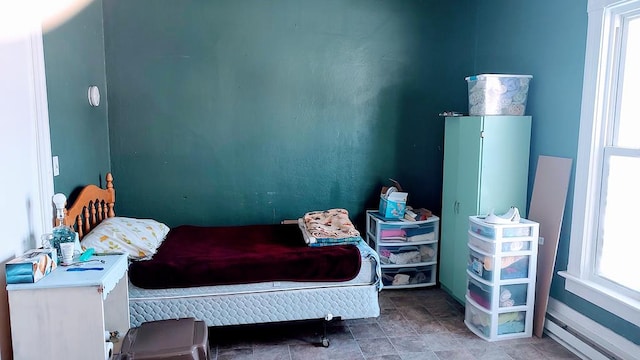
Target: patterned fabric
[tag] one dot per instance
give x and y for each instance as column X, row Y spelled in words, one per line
column 139, row 238
column 330, row 224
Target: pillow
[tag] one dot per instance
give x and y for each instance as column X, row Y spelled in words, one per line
column 139, row 238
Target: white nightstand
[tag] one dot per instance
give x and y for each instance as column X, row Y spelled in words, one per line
column 65, row 315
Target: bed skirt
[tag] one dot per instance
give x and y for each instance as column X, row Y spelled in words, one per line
column 346, row 302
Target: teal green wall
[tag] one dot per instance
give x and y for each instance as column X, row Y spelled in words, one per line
column 74, row 60
column 546, row 39
column 240, row 112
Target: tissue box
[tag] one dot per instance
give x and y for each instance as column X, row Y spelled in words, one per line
column 393, row 202
column 31, row 266
column 392, row 208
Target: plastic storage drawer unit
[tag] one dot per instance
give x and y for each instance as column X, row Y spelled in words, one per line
column 179, row 339
column 408, row 250
column 403, row 231
column 525, row 228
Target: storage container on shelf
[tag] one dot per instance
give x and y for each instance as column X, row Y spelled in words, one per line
column 509, row 295
column 408, row 277
column 507, row 245
column 497, row 232
column 498, row 94
column 511, row 267
column 497, row 325
column 409, row 233
column 407, row 254
column 388, row 231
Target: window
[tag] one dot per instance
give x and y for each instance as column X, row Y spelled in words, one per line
column 605, row 236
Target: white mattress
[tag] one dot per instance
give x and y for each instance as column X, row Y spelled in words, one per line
column 266, row 301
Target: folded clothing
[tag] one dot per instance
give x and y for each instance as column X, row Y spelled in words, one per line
column 330, row 224
column 400, row 279
column 313, row 241
column 329, row 227
column 418, row 231
column 386, row 233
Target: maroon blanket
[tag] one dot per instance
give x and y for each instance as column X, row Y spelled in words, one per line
column 198, row 256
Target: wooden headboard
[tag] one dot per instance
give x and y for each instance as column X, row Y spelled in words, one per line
column 92, row 205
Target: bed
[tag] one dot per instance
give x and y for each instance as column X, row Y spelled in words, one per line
column 353, row 294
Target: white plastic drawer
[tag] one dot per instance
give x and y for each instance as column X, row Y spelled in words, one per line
column 402, row 230
column 525, row 228
column 482, row 321
column 507, row 296
column 406, row 233
column 505, row 246
column 406, row 277
column 404, row 254
column 423, row 232
column 511, row 267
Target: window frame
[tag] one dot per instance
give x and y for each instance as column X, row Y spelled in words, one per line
column 599, row 85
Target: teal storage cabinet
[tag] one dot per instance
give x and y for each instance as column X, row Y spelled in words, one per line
column 486, row 167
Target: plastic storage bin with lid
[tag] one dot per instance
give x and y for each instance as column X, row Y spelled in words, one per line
column 498, row 94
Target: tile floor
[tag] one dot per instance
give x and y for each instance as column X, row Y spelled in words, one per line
column 420, row 324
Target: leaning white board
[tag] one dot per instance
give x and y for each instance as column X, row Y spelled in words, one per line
column 547, row 208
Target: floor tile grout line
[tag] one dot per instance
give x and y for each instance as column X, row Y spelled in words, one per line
column 289, row 351
column 356, row 341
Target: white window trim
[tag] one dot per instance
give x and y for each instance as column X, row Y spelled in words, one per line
column 592, row 136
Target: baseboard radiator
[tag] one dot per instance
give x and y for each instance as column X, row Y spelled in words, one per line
column 584, row 337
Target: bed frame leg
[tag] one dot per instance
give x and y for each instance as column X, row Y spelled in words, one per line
column 324, row 341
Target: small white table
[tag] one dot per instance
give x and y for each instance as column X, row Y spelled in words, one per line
column 65, row 314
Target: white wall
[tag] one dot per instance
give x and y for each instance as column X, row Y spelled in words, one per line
column 25, row 171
